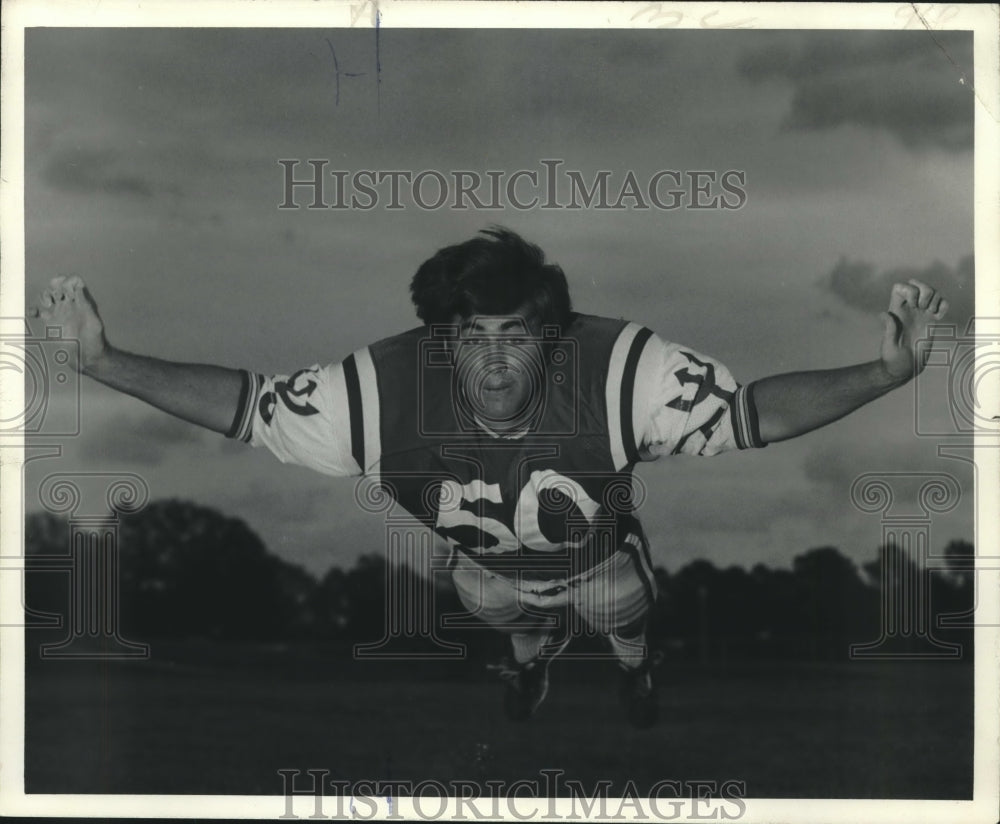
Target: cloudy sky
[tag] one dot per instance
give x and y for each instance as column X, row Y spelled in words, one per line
column 151, row 170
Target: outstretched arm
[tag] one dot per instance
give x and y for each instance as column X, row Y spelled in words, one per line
column 202, row 394
column 798, row 402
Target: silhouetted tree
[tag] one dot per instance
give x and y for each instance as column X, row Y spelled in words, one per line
column 188, row 570
column 893, row 564
column 776, row 607
column 959, row 555
column 688, row 600
column 364, row 588
column 46, row 591
column 330, row 605
column 834, row 605
column 955, row 593
column 918, row 599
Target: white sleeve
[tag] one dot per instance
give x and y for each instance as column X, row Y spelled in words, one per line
column 303, row 418
column 689, row 404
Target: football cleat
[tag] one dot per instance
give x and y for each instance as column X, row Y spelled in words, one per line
column 526, row 686
column 637, row 692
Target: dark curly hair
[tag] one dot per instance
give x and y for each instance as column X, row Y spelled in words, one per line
column 495, row 273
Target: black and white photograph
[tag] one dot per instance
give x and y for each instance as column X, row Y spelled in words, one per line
column 477, row 411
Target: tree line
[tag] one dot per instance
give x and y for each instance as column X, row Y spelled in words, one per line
column 188, row 571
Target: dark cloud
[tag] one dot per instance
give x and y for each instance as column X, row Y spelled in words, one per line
column 281, row 505
column 823, row 53
column 149, row 440
column 94, row 171
column 907, row 469
column 911, row 84
column 859, row 285
column 714, row 501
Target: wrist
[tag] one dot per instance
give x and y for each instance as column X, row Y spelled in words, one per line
column 886, row 379
column 94, row 364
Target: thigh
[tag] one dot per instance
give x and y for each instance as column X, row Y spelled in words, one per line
column 501, row 603
column 618, row 594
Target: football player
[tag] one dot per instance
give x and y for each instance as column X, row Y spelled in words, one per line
column 510, row 425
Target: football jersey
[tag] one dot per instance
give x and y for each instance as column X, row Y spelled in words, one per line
column 558, row 492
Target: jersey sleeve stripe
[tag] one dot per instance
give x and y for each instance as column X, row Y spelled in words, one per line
column 242, row 425
column 241, row 405
column 613, row 393
column 746, row 426
column 370, row 411
column 628, row 394
column 256, row 385
column 354, row 409
column 363, row 407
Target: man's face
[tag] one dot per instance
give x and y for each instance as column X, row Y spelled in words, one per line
column 499, row 368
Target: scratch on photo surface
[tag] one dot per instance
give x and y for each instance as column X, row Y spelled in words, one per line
column 962, row 77
column 378, row 59
column 337, row 73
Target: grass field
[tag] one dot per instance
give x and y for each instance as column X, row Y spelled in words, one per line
column 219, row 720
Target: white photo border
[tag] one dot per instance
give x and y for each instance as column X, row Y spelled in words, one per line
column 982, row 20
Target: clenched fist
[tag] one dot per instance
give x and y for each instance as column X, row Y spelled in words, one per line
column 68, row 305
column 913, row 308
